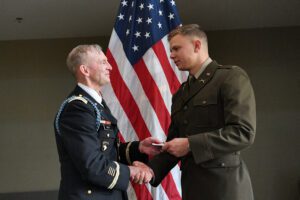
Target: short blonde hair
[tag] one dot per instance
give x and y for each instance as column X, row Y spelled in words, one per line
column 79, row 54
column 188, row 30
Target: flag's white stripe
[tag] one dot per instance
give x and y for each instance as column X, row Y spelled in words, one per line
column 158, row 193
column 157, row 73
column 148, row 114
column 129, row 135
column 124, row 124
column 133, row 83
column 176, row 174
column 182, row 76
column 131, row 192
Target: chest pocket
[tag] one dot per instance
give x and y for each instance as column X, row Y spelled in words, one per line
column 107, row 139
column 205, row 109
column 228, row 161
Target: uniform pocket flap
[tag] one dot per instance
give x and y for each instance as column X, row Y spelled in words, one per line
column 232, row 160
column 204, row 101
column 107, row 134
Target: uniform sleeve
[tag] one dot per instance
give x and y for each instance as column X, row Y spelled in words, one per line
column 80, row 140
column 240, row 120
column 129, row 152
column 162, row 163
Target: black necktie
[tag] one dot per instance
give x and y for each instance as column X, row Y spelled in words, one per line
column 191, row 81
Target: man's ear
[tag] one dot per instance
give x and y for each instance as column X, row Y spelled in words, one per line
column 197, row 45
column 84, row 70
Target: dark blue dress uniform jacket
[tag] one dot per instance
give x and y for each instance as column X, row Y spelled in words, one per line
column 93, row 163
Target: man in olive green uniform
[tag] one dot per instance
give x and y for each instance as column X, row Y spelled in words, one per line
column 213, row 119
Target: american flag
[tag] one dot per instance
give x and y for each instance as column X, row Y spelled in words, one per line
column 143, row 80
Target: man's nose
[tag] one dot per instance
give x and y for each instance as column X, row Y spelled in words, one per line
column 172, row 56
column 109, row 66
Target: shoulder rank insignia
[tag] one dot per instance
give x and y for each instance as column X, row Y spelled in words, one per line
column 80, row 97
column 84, row 100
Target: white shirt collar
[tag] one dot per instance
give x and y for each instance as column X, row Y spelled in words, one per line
column 93, row 93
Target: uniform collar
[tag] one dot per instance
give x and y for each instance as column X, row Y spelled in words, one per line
column 93, row 93
column 203, row 67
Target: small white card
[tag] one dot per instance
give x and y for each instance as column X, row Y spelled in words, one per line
column 158, row 144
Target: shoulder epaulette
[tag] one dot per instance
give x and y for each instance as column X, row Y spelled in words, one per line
column 80, row 97
column 84, row 100
column 225, row 66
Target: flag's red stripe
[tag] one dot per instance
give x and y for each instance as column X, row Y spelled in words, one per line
column 172, row 79
column 153, row 94
column 170, row 188
column 123, row 94
column 158, row 105
column 126, row 100
column 141, row 191
column 120, row 136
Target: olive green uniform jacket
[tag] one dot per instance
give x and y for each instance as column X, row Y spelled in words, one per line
column 217, row 114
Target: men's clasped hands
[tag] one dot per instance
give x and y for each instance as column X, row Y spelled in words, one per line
column 140, row 172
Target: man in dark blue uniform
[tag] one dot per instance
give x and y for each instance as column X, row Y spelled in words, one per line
column 94, row 164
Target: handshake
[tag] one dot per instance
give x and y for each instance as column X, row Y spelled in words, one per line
column 140, row 173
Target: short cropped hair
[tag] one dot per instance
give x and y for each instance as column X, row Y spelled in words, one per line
column 79, row 54
column 188, row 30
